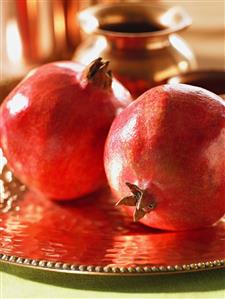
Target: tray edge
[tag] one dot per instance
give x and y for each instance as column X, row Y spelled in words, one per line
column 110, row 270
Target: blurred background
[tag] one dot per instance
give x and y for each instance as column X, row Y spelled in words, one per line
column 33, row 32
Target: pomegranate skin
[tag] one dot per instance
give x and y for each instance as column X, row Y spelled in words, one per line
column 170, row 143
column 53, row 127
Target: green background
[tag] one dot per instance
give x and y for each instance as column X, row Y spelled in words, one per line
column 18, row 282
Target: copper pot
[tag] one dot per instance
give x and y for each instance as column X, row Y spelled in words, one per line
column 140, row 41
column 35, row 32
column 211, row 79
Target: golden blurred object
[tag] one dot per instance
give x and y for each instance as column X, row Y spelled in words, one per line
column 211, row 79
column 34, row 32
column 139, row 40
column 6, row 86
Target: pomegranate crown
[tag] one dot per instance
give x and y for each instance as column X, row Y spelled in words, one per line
column 97, row 73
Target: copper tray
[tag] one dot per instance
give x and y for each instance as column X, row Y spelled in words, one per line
column 92, row 236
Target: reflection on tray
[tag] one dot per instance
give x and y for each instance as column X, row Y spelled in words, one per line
column 92, row 231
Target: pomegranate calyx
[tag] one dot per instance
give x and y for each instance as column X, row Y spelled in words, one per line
column 97, row 72
column 139, row 199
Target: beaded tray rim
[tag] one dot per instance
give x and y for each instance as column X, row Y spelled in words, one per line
column 109, row 270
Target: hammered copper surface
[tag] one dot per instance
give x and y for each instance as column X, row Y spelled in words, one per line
column 92, row 231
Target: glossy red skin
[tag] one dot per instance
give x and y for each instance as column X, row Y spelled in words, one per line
column 171, row 142
column 53, row 128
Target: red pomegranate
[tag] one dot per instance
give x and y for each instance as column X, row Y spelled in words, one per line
column 165, row 158
column 54, row 124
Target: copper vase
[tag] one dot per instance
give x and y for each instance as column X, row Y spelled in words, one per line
column 34, row 32
column 140, row 41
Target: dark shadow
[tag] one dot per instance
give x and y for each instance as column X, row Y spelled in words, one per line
column 185, row 282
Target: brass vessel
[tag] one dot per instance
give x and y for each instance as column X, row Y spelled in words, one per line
column 34, row 32
column 140, row 41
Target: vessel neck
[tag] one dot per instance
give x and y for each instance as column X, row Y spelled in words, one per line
column 136, row 42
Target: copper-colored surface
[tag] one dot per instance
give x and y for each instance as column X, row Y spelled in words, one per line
column 35, row 32
column 213, row 80
column 7, row 86
column 142, row 56
column 91, row 235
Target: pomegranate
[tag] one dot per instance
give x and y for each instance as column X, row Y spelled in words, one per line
column 165, row 158
column 54, row 124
